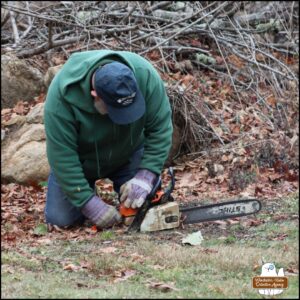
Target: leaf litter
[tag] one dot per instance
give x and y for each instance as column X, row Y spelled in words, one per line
column 257, row 162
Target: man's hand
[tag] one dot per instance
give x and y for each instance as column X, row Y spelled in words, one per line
column 100, row 213
column 134, row 192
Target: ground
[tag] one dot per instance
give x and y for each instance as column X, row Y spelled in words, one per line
column 81, row 262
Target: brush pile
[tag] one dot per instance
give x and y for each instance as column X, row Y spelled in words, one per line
column 231, row 68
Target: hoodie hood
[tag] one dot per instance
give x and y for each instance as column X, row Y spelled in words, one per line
column 75, row 77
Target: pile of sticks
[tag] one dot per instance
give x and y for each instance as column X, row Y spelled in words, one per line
column 245, row 42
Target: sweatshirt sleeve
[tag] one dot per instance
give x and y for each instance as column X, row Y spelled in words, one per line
column 61, row 140
column 158, row 126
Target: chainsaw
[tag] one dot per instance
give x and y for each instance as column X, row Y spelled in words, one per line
column 160, row 211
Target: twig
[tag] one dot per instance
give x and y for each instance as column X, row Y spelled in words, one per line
column 173, row 23
column 230, row 76
column 50, row 42
column 131, row 10
column 14, row 27
column 158, row 5
column 190, row 25
column 45, row 47
column 228, row 148
column 259, row 64
column 20, row 11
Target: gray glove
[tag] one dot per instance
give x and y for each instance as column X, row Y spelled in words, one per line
column 100, row 213
column 135, row 191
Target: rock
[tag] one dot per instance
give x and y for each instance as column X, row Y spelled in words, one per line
column 24, row 158
column 15, row 120
column 50, row 75
column 19, row 81
column 36, row 115
column 2, row 134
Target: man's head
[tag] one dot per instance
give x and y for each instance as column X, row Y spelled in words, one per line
column 116, row 92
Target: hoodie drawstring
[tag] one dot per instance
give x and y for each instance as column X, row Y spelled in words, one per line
column 97, row 155
column 112, row 140
column 131, row 140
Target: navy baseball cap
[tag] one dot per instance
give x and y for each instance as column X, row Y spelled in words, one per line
column 116, row 85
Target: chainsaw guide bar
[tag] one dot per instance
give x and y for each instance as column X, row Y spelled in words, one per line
column 220, row 211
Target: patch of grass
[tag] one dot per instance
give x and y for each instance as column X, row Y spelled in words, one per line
column 290, row 204
column 43, row 183
column 226, row 272
column 17, row 260
column 107, row 235
column 221, row 267
column 230, row 239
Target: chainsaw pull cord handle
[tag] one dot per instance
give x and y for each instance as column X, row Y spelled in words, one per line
column 153, row 195
column 157, row 195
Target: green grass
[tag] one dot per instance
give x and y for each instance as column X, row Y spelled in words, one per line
column 222, row 267
column 107, row 235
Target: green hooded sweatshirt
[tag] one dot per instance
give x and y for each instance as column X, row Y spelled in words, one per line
column 84, row 145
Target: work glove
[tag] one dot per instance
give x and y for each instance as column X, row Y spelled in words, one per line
column 100, row 213
column 134, row 192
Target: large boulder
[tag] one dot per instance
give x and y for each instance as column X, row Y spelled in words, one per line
column 51, row 72
column 19, row 81
column 24, row 158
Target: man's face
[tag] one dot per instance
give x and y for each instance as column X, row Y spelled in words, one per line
column 98, row 102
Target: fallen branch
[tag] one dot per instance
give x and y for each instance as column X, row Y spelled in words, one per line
column 14, row 28
column 186, row 27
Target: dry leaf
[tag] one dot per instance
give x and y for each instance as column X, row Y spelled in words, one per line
column 271, row 101
column 137, row 257
column 256, row 267
column 72, row 267
column 275, row 177
column 222, row 224
column 85, row 264
column 5, row 111
column 291, row 176
column 187, row 180
column 260, row 57
column 280, row 237
column 19, row 108
column 187, row 79
column 123, row 275
column 108, row 250
column 218, row 169
column 44, row 241
column 163, row 287
column 292, row 271
column 253, row 222
column 235, row 60
column 208, row 251
column 157, row 267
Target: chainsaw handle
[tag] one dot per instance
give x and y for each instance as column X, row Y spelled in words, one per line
column 127, row 211
column 130, row 212
column 157, row 195
column 154, row 196
column 156, row 187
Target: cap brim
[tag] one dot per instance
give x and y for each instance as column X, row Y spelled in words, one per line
column 130, row 114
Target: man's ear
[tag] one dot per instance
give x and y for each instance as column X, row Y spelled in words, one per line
column 93, row 93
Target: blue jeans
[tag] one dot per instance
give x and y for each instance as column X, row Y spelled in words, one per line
column 59, row 209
